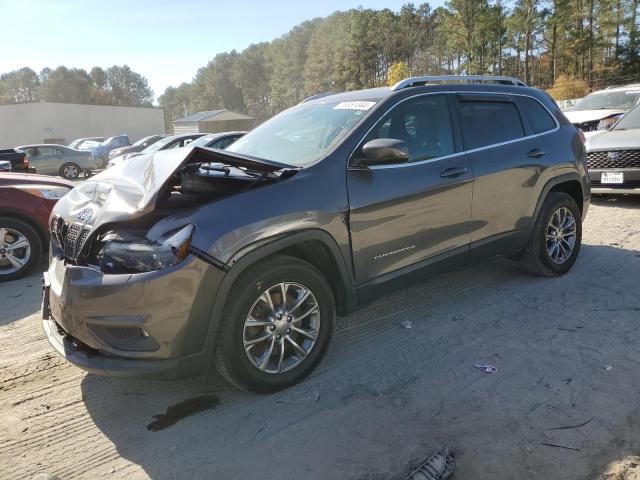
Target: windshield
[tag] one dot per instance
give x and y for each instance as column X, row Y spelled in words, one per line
column 303, row 134
column 630, row 121
column 158, row 145
column 202, row 141
column 142, row 140
column 609, row 100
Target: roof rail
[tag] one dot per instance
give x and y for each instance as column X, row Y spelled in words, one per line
column 314, row 97
column 417, row 81
column 627, row 85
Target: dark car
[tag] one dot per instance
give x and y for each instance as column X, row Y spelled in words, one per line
column 17, row 158
column 137, row 146
column 217, row 140
column 169, row 263
column 100, row 153
column 25, row 205
column 167, row 143
column 614, row 157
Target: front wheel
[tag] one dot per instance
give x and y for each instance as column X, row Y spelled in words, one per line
column 276, row 325
column 70, row 171
column 20, row 248
column 556, row 237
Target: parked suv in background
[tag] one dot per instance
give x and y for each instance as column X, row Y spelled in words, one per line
column 614, row 157
column 100, row 154
column 600, row 110
column 170, row 262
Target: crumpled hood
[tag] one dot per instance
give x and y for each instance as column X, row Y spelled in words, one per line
column 131, row 188
column 614, row 140
column 582, row 116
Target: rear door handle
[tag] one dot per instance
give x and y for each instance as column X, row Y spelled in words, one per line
column 453, row 172
column 535, row 153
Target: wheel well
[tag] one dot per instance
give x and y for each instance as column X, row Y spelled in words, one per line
column 44, row 238
column 573, row 188
column 319, row 255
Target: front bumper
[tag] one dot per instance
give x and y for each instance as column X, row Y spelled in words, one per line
column 630, row 186
column 151, row 324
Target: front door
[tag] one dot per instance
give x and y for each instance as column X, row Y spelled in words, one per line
column 402, row 214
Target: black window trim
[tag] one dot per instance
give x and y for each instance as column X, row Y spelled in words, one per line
column 455, row 117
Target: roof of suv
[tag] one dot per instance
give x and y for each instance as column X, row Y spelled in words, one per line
column 462, row 83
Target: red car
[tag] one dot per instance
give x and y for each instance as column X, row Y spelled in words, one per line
column 25, row 205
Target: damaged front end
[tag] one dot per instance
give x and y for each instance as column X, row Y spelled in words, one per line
column 107, row 222
column 127, row 293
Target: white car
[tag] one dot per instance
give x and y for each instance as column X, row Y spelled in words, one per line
column 600, row 110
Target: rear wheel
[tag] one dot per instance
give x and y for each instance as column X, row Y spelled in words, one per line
column 20, row 248
column 276, row 325
column 557, row 236
column 70, row 171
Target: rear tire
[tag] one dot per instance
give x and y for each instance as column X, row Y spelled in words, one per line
column 13, row 231
column 70, row 171
column 289, row 338
column 556, row 238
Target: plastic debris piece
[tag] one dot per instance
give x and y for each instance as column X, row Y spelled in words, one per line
column 406, row 324
column 486, row 368
column 608, row 368
column 437, row 467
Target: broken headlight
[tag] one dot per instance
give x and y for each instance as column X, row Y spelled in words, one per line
column 119, row 255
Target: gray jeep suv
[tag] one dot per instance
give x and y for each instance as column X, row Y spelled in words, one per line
column 174, row 262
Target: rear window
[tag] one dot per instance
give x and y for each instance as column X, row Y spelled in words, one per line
column 487, row 123
column 537, row 116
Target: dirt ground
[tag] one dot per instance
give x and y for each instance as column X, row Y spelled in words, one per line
column 564, row 403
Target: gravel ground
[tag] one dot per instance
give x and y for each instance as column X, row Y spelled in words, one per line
column 385, row 397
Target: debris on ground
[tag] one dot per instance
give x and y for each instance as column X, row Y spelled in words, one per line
column 406, row 324
column 565, row 447
column 608, row 368
column 566, row 427
column 300, row 396
column 438, row 467
column 486, row 368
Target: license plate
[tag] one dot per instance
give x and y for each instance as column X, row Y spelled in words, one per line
column 612, row 177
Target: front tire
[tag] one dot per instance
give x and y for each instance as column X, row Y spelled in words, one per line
column 276, row 325
column 20, row 248
column 557, row 236
column 70, row 171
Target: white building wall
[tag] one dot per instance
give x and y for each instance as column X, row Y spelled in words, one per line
column 27, row 123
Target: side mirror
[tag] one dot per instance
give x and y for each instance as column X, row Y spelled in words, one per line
column 383, row 151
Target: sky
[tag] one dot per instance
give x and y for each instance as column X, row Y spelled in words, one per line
column 166, row 41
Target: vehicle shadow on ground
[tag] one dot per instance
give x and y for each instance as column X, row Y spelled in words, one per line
column 21, row 298
column 386, row 395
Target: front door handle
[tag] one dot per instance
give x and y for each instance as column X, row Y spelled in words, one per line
column 536, row 153
column 453, row 172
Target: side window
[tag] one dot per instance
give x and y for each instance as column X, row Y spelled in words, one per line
column 424, row 123
column 487, row 123
column 537, row 116
column 49, row 151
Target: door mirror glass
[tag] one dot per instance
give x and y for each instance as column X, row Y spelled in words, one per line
column 382, row 151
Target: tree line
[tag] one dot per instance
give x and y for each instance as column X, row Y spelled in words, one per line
column 117, row 85
column 567, row 46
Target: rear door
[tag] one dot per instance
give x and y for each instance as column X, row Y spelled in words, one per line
column 507, row 158
column 46, row 160
column 402, row 214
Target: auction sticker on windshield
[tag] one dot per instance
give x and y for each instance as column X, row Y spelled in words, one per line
column 612, row 177
column 361, row 105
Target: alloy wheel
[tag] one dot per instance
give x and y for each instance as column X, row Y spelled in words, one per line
column 15, row 250
column 70, row 172
column 560, row 235
column 281, row 328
